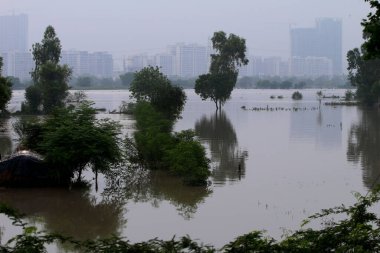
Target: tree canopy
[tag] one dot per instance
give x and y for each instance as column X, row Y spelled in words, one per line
column 150, row 85
column 5, row 89
column 71, row 139
column 371, row 31
column 363, row 65
column 50, row 80
column 218, row 84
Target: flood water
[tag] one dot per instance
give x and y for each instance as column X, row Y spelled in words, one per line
column 296, row 158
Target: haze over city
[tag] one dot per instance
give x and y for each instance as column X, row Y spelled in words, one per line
column 131, row 27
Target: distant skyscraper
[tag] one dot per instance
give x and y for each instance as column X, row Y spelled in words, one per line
column 191, row 60
column 323, row 40
column 14, row 33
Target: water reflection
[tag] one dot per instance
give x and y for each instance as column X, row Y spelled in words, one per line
column 218, row 131
column 363, row 146
column 74, row 213
column 139, row 185
column 323, row 126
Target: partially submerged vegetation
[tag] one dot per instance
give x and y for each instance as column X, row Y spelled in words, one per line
column 356, row 230
column 297, row 95
column 71, row 140
column 5, row 90
column 159, row 104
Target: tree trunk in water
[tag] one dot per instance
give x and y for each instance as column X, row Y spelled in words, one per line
column 216, row 104
column 96, row 180
column 79, row 175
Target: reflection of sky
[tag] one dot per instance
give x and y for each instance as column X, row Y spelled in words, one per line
column 324, row 127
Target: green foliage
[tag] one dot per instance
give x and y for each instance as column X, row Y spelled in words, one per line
column 187, row 158
column 371, row 31
column 5, row 89
column 149, row 84
column 33, row 97
column 53, row 80
column 297, row 95
column 158, row 148
column 50, row 80
column 364, row 75
column 127, row 78
column 218, row 84
column 49, row 50
column 71, row 139
column 218, row 88
column 363, row 65
column 349, row 95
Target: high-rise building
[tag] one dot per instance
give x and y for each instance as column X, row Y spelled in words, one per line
column 323, row 40
column 311, row 66
column 14, row 33
column 182, row 60
column 17, row 64
column 191, row 60
column 83, row 63
column 166, row 63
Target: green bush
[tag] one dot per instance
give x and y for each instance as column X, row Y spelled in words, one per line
column 297, row 95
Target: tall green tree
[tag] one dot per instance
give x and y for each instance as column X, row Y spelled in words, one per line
column 50, row 80
column 150, row 85
column 218, row 84
column 364, row 64
column 49, row 50
column 5, row 89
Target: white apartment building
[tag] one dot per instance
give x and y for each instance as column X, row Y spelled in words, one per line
column 311, row 66
column 83, row 63
column 17, row 64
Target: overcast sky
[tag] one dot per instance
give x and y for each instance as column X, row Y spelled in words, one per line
column 126, row 27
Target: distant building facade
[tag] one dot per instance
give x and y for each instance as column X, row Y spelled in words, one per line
column 265, row 66
column 311, row 66
column 83, row 63
column 323, row 40
column 17, row 64
column 14, row 33
column 182, row 60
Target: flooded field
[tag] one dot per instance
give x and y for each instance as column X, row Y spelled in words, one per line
column 274, row 162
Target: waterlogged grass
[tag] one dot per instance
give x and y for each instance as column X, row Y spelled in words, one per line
column 358, row 232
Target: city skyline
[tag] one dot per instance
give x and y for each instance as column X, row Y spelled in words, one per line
column 130, row 27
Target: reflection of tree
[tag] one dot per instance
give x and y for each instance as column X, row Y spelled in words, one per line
column 140, row 185
column 363, row 146
column 73, row 213
column 219, row 133
column 5, row 139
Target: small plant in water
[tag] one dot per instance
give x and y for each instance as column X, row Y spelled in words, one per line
column 297, row 95
column 349, row 95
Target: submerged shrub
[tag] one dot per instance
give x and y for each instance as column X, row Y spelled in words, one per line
column 297, row 95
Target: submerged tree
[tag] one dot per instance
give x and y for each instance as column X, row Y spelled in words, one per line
column 149, row 84
column 218, row 84
column 72, row 139
column 50, row 80
column 5, row 89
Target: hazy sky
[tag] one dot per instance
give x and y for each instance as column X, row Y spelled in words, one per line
column 126, row 27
